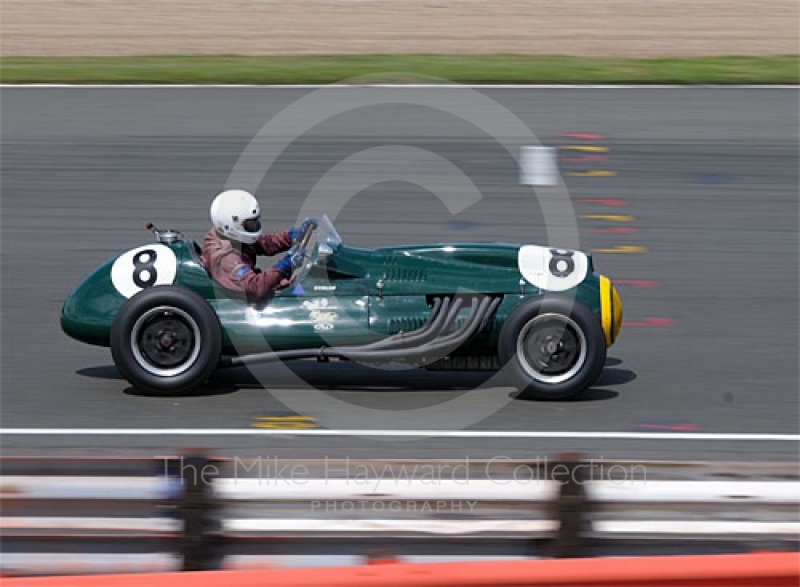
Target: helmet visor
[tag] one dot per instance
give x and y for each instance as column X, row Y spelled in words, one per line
column 252, row 224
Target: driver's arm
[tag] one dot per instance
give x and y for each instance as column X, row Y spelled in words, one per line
column 232, row 273
column 272, row 244
column 257, row 284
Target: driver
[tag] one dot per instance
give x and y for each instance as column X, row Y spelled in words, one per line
column 231, row 246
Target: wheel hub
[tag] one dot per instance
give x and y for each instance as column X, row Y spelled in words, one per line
column 165, row 341
column 551, row 348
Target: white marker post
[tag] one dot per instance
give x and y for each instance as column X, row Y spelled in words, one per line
column 538, row 166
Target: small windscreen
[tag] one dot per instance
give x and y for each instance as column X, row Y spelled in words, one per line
column 326, row 234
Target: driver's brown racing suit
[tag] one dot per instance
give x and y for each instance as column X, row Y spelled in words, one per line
column 233, row 266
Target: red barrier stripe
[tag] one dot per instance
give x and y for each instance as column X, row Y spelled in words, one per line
column 735, row 570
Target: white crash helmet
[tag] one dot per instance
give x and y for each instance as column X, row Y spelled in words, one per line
column 236, row 215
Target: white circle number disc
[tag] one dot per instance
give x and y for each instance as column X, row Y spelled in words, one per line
column 143, row 267
column 552, row 269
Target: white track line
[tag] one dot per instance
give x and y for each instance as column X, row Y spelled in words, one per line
column 402, row 86
column 498, row 434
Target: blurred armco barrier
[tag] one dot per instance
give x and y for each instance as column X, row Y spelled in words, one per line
column 749, row 570
column 101, row 515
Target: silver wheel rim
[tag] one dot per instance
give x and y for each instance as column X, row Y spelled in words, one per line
column 146, row 320
column 568, row 327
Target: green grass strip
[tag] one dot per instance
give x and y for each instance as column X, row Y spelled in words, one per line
column 473, row 69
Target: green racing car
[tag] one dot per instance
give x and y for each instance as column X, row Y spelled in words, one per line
column 540, row 313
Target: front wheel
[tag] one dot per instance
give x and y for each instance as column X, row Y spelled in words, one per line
column 554, row 348
column 166, row 340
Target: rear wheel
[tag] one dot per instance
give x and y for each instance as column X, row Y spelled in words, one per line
column 166, row 340
column 554, row 348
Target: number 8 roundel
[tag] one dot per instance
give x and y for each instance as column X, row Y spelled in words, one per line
column 552, row 269
column 143, row 267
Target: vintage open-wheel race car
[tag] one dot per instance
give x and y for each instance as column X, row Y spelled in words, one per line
column 541, row 312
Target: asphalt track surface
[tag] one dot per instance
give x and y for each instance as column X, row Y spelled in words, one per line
column 708, row 175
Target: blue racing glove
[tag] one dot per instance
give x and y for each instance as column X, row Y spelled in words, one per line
column 291, row 261
column 296, row 233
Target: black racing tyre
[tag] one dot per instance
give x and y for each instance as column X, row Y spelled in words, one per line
column 166, row 340
column 553, row 347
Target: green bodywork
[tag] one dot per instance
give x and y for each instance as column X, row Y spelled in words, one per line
column 353, row 296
